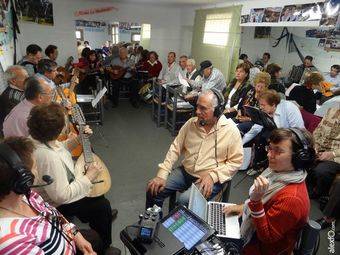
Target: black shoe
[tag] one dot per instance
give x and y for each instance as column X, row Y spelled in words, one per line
column 112, row 251
column 323, row 223
column 114, row 213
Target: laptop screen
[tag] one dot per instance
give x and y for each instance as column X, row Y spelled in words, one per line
column 197, row 202
column 186, row 227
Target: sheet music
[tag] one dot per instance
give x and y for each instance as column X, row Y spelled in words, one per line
column 98, row 97
column 182, row 81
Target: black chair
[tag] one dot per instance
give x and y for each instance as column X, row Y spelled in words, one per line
column 309, row 239
column 222, row 196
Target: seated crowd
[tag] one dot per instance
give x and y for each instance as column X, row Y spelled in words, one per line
column 292, row 164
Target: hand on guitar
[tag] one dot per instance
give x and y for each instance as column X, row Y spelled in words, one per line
column 93, row 170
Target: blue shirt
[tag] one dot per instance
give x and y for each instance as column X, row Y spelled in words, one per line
column 287, row 115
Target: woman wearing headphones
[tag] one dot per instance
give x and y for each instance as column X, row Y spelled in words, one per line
column 28, row 225
column 278, row 207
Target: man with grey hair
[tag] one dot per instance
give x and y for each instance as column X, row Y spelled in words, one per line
column 14, row 93
column 47, row 70
column 211, row 78
column 211, row 146
column 37, row 92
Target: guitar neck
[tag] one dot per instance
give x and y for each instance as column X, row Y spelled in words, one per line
column 87, row 150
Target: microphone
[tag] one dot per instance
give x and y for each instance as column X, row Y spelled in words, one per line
column 46, row 178
column 203, row 123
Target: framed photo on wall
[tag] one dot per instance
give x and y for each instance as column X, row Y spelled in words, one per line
column 262, row 32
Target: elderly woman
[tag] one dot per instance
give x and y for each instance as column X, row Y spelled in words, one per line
column 237, row 90
column 275, row 73
column 261, row 83
column 29, row 225
column 279, row 206
column 69, row 191
column 152, row 65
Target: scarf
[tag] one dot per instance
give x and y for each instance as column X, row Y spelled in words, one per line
column 277, row 181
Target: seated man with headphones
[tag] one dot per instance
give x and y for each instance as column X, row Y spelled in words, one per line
column 212, row 148
column 278, row 207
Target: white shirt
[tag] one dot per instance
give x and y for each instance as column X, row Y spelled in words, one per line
column 287, row 115
column 53, row 162
column 335, row 80
column 170, row 73
column 232, row 92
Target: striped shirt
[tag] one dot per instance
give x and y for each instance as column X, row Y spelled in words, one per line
column 35, row 235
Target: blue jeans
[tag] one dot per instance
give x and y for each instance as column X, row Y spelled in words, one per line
column 178, row 180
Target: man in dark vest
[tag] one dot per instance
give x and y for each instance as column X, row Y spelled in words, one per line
column 30, row 61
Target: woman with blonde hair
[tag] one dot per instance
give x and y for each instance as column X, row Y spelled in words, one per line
column 261, row 83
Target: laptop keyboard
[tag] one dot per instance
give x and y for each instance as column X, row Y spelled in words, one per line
column 216, row 218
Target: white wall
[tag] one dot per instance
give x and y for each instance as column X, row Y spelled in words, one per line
column 166, row 27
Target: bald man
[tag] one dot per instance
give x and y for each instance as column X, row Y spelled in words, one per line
column 14, row 93
column 124, row 62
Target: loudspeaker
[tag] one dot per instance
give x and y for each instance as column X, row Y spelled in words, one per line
column 305, row 155
column 218, row 111
column 25, row 178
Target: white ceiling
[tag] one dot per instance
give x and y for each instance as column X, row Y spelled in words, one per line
column 168, row 2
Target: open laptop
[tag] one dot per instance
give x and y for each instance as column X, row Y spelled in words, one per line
column 212, row 213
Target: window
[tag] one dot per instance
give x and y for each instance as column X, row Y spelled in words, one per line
column 217, row 28
column 135, row 37
column 146, row 31
column 80, row 34
column 115, row 33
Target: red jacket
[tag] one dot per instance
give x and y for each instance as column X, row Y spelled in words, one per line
column 284, row 216
column 153, row 70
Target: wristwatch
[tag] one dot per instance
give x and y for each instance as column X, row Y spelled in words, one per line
column 71, row 229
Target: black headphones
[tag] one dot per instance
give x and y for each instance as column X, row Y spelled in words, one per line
column 305, row 156
column 25, row 178
column 218, row 111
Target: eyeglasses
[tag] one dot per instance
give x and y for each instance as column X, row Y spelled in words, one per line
column 275, row 150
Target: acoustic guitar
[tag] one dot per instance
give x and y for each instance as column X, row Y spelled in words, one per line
column 116, row 72
column 102, row 184
column 325, row 88
column 70, row 128
column 63, row 77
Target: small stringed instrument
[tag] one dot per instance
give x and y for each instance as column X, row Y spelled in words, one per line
column 103, row 181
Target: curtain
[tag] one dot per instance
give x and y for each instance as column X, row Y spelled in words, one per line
column 223, row 57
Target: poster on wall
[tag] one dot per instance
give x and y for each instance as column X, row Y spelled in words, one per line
column 311, row 12
column 330, row 13
column 129, row 25
column 290, row 13
column 262, row 32
column 245, row 19
column 332, row 45
column 272, row 14
column 89, row 23
column 256, row 15
column 40, row 12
